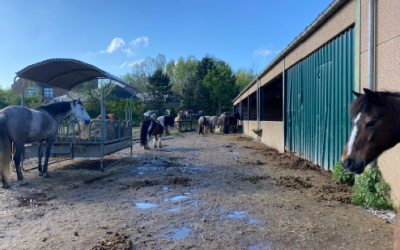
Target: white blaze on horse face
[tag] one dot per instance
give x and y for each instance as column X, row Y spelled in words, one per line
column 161, row 119
column 80, row 112
column 353, row 134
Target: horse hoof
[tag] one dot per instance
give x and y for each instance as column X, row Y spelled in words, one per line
column 46, row 175
column 6, row 186
column 40, row 173
column 22, row 182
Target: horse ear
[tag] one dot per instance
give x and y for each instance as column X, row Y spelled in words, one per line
column 356, row 94
column 372, row 96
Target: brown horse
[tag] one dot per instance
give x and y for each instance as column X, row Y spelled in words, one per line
column 376, row 128
column 151, row 127
column 112, row 117
column 231, row 120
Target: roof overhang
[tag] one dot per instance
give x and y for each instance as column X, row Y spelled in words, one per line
column 68, row 73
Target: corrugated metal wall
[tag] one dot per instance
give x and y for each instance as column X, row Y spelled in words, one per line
column 318, row 95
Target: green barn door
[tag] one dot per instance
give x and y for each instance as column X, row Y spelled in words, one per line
column 318, row 95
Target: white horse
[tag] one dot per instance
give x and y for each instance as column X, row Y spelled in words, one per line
column 216, row 121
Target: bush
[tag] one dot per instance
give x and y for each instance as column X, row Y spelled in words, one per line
column 371, row 191
column 342, row 176
column 173, row 112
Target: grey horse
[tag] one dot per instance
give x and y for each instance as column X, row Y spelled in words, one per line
column 20, row 125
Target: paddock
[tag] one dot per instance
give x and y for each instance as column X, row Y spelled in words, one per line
column 212, row 191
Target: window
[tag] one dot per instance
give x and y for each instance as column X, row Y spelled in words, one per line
column 48, row 92
column 33, row 90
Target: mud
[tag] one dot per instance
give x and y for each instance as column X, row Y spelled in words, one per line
column 211, row 191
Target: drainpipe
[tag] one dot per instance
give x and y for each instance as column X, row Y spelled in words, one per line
column 371, row 50
column 258, row 107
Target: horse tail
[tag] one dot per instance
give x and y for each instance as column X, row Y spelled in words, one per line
column 201, row 120
column 5, row 152
column 226, row 129
column 144, row 129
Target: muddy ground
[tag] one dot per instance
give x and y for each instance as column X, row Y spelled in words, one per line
column 210, row 191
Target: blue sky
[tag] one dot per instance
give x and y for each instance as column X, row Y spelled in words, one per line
column 113, row 34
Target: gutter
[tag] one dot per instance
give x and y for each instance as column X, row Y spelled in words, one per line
column 327, row 13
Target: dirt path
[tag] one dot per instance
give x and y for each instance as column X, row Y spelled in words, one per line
column 199, row 192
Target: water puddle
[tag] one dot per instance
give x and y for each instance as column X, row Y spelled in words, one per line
column 145, row 205
column 180, row 233
column 252, row 221
column 260, row 246
column 237, row 214
column 182, row 150
column 173, row 210
column 176, row 198
column 33, row 200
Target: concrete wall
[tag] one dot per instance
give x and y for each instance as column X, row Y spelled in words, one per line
column 387, row 73
column 272, row 134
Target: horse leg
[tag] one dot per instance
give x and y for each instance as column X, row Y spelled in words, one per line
column 234, row 128
column 40, row 155
column 159, row 141
column 146, row 146
column 154, row 142
column 17, row 162
column 49, row 144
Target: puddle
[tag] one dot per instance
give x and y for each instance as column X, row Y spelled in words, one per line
column 182, row 150
column 145, row 205
column 180, row 233
column 176, row 198
column 252, row 221
column 173, row 210
column 237, row 214
column 260, row 246
column 33, row 200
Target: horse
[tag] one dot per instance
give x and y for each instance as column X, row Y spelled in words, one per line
column 20, row 125
column 231, row 120
column 208, row 118
column 178, row 118
column 217, row 122
column 375, row 128
column 151, row 127
column 112, row 117
column 203, row 122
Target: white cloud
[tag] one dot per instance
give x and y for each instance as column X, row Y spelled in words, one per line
column 115, row 44
column 135, row 44
column 265, row 52
column 130, row 64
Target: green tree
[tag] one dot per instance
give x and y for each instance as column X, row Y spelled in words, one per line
column 180, row 71
column 194, row 95
column 138, row 77
column 220, row 83
column 159, row 88
column 244, row 77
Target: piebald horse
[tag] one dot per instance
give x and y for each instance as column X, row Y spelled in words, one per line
column 375, row 120
column 216, row 121
column 203, row 123
column 151, row 127
column 20, row 125
column 231, row 120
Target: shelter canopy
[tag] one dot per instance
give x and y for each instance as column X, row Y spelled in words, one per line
column 67, row 73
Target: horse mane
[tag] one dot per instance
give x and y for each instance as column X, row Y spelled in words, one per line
column 363, row 104
column 56, row 108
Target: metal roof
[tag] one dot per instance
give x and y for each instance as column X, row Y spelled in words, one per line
column 327, row 13
column 67, row 73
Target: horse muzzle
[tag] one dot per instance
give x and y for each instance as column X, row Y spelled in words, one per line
column 352, row 166
column 86, row 122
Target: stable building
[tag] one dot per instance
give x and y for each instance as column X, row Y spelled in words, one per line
column 300, row 101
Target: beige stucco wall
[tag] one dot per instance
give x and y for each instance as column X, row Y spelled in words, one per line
column 343, row 19
column 272, row 73
column 272, row 134
column 387, row 74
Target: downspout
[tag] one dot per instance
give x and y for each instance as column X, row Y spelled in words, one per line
column 258, row 107
column 371, row 54
column 22, row 91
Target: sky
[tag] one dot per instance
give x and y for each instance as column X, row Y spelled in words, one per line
column 112, row 35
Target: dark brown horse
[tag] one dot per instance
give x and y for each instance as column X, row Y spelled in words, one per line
column 112, row 117
column 376, row 128
column 151, row 127
column 231, row 120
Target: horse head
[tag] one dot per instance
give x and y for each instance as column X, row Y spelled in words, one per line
column 169, row 120
column 79, row 111
column 374, row 129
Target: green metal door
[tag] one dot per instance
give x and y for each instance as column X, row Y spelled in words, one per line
column 318, row 95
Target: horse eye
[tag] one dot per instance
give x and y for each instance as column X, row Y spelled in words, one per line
column 370, row 124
